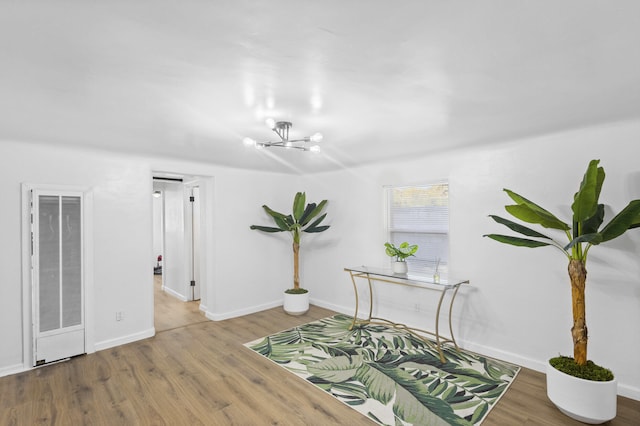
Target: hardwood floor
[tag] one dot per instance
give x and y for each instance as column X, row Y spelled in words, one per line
column 199, row 373
column 171, row 312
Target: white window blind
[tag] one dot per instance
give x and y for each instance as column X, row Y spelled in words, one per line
column 419, row 214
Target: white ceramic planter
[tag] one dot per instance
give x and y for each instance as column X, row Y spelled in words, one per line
column 583, row 400
column 400, row 267
column 296, row 304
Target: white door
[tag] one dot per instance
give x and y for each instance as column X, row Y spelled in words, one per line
column 57, row 275
column 195, row 243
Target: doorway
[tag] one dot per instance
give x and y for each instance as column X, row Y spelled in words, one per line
column 178, row 248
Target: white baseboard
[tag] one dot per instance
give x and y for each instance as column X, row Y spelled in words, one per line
column 240, row 312
column 174, row 293
column 12, row 369
column 338, row 308
column 511, row 357
column 629, row 391
column 106, row 344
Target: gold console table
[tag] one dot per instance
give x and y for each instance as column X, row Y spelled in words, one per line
column 386, row 275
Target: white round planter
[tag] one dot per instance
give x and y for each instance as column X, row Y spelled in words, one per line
column 400, row 267
column 296, row 304
column 584, row 400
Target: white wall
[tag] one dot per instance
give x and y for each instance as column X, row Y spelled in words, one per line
column 518, row 304
column 516, row 308
column 121, row 186
column 121, row 233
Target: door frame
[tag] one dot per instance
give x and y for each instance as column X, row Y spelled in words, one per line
column 193, row 254
column 206, row 184
column 27, row 276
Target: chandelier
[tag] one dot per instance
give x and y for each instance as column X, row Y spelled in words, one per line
column 281, row 128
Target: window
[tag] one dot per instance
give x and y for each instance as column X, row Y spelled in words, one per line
column 420, row 215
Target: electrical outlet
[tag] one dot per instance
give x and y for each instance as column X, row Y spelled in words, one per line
column 416, row 307
column 119, row 316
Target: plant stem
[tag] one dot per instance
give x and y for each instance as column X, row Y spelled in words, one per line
column 296, row 276
column 578, row 275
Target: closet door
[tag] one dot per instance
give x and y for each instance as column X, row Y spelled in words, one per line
column 58, row 288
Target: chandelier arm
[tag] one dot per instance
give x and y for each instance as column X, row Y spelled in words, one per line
column 281, row 128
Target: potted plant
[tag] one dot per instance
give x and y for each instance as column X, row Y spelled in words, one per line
column 401, row 253
column 578, row 387
column 296, row 300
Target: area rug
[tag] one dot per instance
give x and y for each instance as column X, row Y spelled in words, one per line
column 389, row 375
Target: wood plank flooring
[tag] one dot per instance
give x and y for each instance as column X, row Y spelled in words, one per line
column 200, row 374
column 171, row 312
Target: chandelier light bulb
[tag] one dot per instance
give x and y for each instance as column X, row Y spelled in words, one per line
column 249, row 142
column 314, row 148
column 271, row 123
column 316, row 137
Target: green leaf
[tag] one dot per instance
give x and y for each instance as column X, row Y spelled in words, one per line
column 412, row 404
column 280, row 352
column 591, row 225
column 307, row 211
column 516, row 241
column 273, row 213
column 407, row 250
column 354, row 392
column 282, row 224
column 279, row 218
column 622, row 221
column 337, row 369
column 595, row 239
column 317, row 229
column 314, row 212
column 288, row 220
column 541, row 216
column 534, row 213
column 635, row 223
column 586, row 199
column 266, row 228
column 479, row 413
column 298, row 205
column 317, row 221
column 389, row 249
column 381, row 387
column 518, row 228
column 528, row 213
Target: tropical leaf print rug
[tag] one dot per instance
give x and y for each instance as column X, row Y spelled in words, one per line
column 389, row 375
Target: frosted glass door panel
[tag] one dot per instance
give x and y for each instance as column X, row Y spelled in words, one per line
column 49, row 265
column 71, row 246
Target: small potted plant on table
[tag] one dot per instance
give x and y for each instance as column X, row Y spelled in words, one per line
column 401, row 253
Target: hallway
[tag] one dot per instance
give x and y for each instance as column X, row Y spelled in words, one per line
column 172, row 313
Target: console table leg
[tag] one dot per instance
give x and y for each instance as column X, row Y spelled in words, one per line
column 370, row 296
column 437, row 333
column 453, row 339
column 355, row 289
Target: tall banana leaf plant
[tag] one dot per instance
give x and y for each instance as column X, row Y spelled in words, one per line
column 583, row 232
column 296, row 223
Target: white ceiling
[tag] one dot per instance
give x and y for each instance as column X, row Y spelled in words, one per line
column 380, row 79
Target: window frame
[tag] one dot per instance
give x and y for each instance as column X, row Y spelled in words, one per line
column 425, row 268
